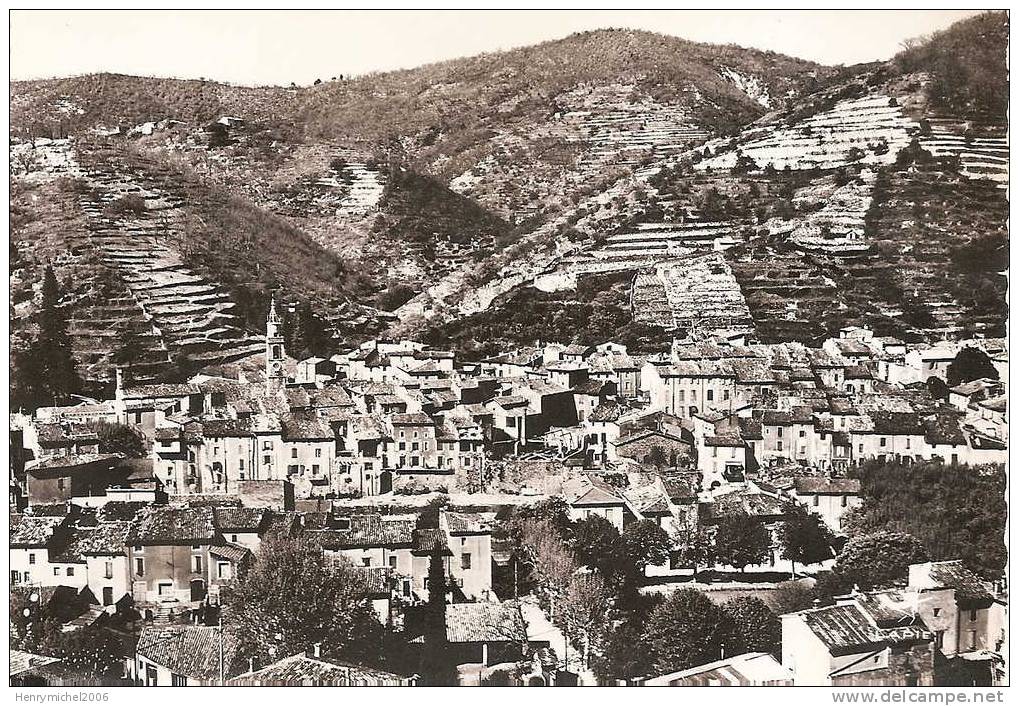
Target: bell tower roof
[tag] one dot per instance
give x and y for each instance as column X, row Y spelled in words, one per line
column 274, row 317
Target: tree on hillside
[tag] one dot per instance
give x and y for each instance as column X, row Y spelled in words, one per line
column 879, row 559
column 741, row 540
column 755, row 626
column 647, row 544
column 436, row 665
column 970, row 364
column 805, row 538
column 45, row 371
column 687, row 630
column 294, row 597
column 127, row 355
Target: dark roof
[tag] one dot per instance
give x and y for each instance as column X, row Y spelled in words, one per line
column 370, row 530
column 226, row 427
column 591, row 386
column 430, row 540
column 954, row 574
column 161, row 390
column 376, row 580
column 230, row 551
column 105, row 539
column 680, row 487
column 847, row 628
column 413, row 419
column 827, row 486
column 120, row 510
column 943, row 428
column 905, row 423
column 240, row 519
column 307, row 428
column 607, row 412
column 189, row 650
column 174, row 525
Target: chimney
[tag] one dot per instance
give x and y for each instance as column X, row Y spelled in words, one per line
column 316, row 649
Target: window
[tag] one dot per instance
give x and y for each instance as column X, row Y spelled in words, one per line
column 240, row 464
column 233, row 537
column 139, row 567
column 293, row 452
column 215, row 451
column 266, row 460
column 907, row 442
column 972, row 641
column 318, row 453
column 845, row 501
column 403, row 446
column 802, row 433
column 137, row 417
column 108, row 573
column 939, row 636
column 725, row 394
column 937, row 612
column 60, row 483
column 56, row 571
column 682, row 396
column 511, row 422
column 31, row 558
column 465, row 561
column 714, row 452
column 314, row 469
column 367, row 561
column 70, row 571
column 972, row 616
column 711, row 395
column 196, row 564
column 223, row 569
column 178, row 680
column 817, row 500
column 780, row 446
column 780, row 432
column 267, row 444
column 883, row 442
column 415, row 446
column 406, row 588
column 392, row 561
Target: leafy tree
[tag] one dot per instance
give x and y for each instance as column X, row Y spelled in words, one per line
column 436, row 666
column 646, row 544
column 294, row 597
column 805, row 538
column 755, row 625
column 791, row 596
column 970, row 364
column 741, row 540
column 120, row 439
column 687, row 630
column 599, row 545
column 829, row 584
column 879, row 559
column 956, row 515
column 626, row 653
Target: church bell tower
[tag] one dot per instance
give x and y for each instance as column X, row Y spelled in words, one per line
column 275, row 372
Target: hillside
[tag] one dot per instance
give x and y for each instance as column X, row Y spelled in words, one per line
column 866, row 202
column 652, row 185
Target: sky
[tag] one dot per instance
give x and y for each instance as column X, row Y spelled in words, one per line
column 280, row 47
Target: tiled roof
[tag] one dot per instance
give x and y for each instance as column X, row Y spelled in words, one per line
column 231, row 552
column 300, row 427
column 607, row 412
column 827, row 486
column 430, row 540
column 374, row 579
column 244, row 519
column 173, row 525
column 189, row 650
column 413, row 419
column 485, row 622
column 163, row 390
column 22, row 662
column 105, row 539
column 120, row 510
column 680, row 487
column 950, row 574
column 583, row 491
column 846, row 628
column 369, row 531
column 72, row 462
column 301, row 670
column 465, row 522
column 211, row 428
column 907, row 423
column 31, row 531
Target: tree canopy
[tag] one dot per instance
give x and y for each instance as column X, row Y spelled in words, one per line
column 879, row 559
column 294, row 597
column 741, row 540
column 686, row 630
column 970, row 364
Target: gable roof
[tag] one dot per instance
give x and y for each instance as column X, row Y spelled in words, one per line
column 586, row 491
column 30, row 531
column 173, row 526
column 485, row 622
column 301, row 670
column 369, row 530
column 189, row 650
column 949, row 574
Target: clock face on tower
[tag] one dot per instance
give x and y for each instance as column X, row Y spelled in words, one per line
column 277, row 368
